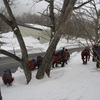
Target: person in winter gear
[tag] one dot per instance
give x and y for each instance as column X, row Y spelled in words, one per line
column 97, row 52
column 39, row 60
column 32, row 64
column 67, row 55
column 7, row 77
column 63, row 58
column 85, row 55
column 94, row 53
column 55, row 61
column 62, row 51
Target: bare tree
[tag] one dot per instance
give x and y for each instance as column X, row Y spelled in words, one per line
column 12, row 23
column 68, row 6
column 89, row 18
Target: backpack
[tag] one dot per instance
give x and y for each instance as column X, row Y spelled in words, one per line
column 7, row 74
column 34, row 61
column 97, row 49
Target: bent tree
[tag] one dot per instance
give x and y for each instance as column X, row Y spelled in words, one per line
column 68, row 6
column 12, row 23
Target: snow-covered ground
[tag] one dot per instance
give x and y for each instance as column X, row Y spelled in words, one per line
column 75, row 81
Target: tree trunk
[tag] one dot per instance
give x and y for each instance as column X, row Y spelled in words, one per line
column 48, row 58
column 68, row 6
column 47, row 70
column 0, row 95
column 26, row 70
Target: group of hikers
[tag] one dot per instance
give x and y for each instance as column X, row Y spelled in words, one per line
column 59, row 57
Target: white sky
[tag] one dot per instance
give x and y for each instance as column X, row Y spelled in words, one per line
column 30, row 6
column 24, row 6
column 27, row 6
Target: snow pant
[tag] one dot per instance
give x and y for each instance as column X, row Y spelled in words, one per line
column 54, row 64
column 38, row 64
column 63, row 62
column 84, row 58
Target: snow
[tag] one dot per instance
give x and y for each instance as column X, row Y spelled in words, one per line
column 72, row 82
column 33, row 45
column 38, row 26
column 11, row 44
column 75, row 81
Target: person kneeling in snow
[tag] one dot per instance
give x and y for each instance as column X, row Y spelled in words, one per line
column 85, row 55
column 7, row 77
column 32, row 64
column 55, row 61
column 67, row 55
column 39, row 61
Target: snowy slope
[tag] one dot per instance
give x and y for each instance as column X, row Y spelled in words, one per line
column 72, row 82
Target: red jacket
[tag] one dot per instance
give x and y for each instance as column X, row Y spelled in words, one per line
column 56, row 59
column 86, row 52
column 31, row 64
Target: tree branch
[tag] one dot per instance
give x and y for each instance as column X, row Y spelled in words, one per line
column 47, row 1
column 10, row 55
column 5, row 19
column 82, row 4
